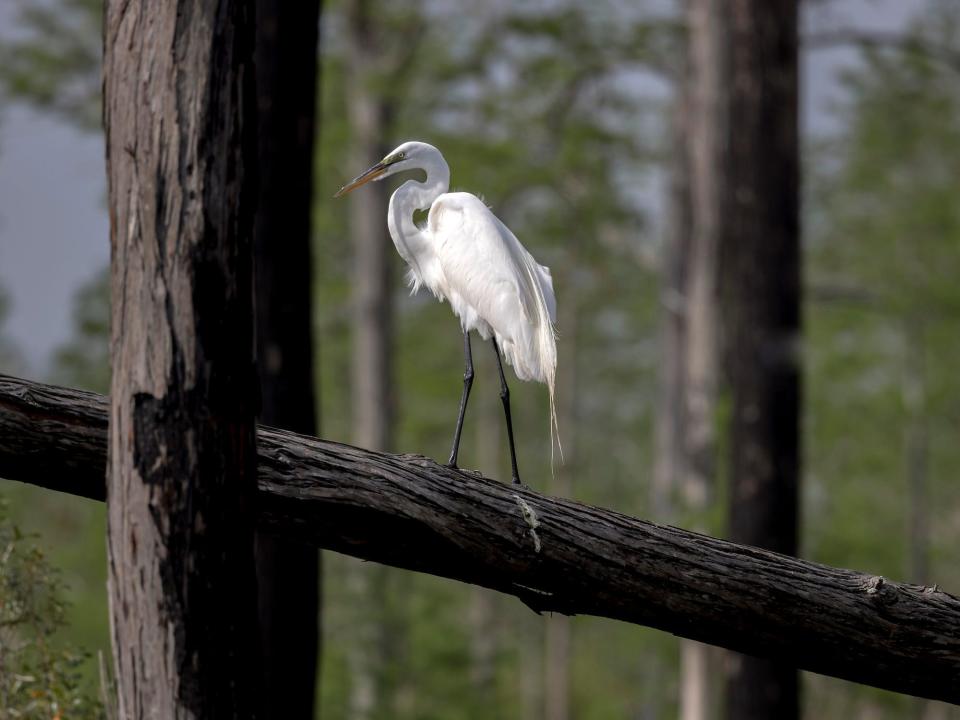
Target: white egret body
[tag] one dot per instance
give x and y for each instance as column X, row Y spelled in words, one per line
column 465, row 255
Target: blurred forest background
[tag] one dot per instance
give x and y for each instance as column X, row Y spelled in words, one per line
column 560, row 115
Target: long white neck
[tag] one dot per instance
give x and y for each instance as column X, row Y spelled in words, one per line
column 411, row 241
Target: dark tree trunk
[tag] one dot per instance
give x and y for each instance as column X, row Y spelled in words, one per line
column 181, row 159
column 287, row 572
column 760, row 302
column 554, row 554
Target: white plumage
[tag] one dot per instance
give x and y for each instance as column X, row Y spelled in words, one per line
column 465, row 255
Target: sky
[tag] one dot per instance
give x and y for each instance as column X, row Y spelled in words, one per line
column 53, row 222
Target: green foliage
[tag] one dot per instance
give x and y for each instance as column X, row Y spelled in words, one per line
column 38, row 679
column 84, row 360
column 881, row 328
column 886, row 241
column 53, row 60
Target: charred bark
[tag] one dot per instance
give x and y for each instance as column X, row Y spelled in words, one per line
column 180, row 124
column 410, row 512
column 287, row 572
column 760, row 313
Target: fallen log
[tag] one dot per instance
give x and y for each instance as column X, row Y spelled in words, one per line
column 555, row 555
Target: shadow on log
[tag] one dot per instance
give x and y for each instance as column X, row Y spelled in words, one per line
column 555, row 555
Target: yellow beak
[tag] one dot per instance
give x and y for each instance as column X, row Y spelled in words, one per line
column 362, row 179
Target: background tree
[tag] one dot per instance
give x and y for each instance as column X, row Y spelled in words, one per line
column 883, row 236
column 287, row 572
column 760, row 312
column 684, row 482
column 377, row 41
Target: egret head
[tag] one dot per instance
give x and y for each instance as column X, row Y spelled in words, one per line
column 408, row 156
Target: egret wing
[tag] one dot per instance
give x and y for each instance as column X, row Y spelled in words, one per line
column 483, row 262
column 491, row 279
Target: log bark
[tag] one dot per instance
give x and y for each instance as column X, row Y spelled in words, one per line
column 180, row 120
column 410, row 512
column 287, row 573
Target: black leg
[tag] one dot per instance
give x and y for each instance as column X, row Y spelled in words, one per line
column 467, row 383
column 505, row 398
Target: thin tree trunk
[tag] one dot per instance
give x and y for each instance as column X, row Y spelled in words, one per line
column 287, row 572
column 706, row 123
column 917, row 451
column 674, row 270
column 559, row 631
column 760, row 296
column 484, row 619
column 557, row 690
column 372, row 396
column 916, row 441
column 372, row 356
column 685, row 462
column 669, row 419
column 181, row 127
column 484, row 643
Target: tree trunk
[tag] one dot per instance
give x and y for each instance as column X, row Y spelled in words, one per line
column 559, row 631
column 486, row 617
column 372, row 356
column 181, row 127
column 914, row 387
column 555, row 555
column 371, row 387
column 916, row 453
column 287, row 572
column 668, row 422
column 684, row 472
column 760, row 302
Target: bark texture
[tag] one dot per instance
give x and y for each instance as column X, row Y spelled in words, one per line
column 760, row 312
column 180, row 123
column 410, row 512
column 287, row 573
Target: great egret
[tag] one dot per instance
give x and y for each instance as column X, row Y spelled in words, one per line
column 465, row 255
